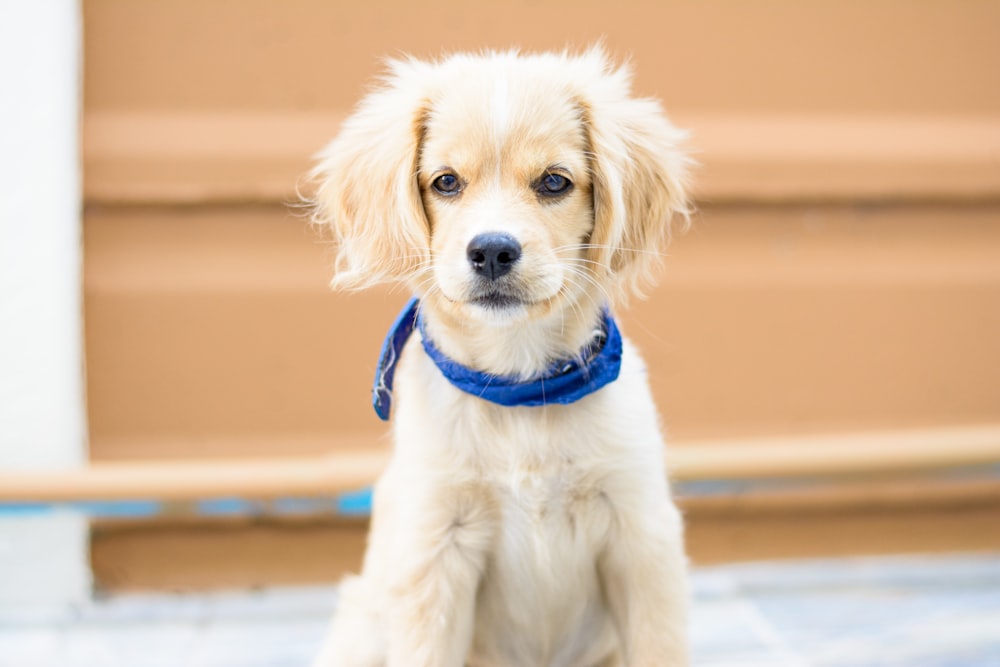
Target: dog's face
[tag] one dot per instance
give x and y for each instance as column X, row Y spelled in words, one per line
column 502, row 186
column 506, row 189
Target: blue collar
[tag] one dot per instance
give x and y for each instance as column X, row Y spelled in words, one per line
column 563, row 382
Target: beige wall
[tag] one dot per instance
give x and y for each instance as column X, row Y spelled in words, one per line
column 786, row 56
column 843, row 272
column 211, row 323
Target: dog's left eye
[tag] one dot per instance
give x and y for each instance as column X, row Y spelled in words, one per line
column 447, row 184
column 554, row 184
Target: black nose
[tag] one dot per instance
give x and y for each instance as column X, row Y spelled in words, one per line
column 492, row 254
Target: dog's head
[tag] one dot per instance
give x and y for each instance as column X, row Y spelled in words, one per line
column 502, row 184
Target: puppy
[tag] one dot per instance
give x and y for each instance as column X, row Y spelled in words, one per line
column 525, row 517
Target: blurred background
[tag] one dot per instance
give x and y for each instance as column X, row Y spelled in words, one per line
column 823, row 346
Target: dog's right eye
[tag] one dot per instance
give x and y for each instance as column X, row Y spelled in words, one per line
column 447, row 184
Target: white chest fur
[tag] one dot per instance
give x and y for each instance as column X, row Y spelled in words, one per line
column 540, row 601
column 553, row 477
column 504, row 537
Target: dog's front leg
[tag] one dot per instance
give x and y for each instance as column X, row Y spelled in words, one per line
column 644, row 575
column 442, row 553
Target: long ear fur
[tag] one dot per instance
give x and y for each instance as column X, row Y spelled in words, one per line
column 639, row 176
column 367, row 189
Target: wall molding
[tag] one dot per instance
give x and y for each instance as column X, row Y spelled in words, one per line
column 233, row 156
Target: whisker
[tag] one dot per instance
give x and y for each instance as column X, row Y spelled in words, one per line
column 579, row 274
column 606, row 246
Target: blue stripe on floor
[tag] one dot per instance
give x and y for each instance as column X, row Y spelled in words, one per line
column 355, row 504
column 359, row 503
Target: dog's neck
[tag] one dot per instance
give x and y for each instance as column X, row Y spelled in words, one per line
column 522, row 347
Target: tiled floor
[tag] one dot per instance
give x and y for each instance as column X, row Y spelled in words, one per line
column 889, row 612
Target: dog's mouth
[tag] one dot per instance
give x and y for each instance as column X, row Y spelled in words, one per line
column 494, row 297
column 497, row 300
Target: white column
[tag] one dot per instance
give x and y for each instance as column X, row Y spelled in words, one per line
column 43, row 555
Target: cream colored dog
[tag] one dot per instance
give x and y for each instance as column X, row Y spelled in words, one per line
column 519, row 197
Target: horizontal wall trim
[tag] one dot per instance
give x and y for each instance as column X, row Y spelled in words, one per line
column 819, row 456
column 219, row 156
column 951, row 488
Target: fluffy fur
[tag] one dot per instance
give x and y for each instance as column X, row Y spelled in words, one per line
column 506, row 537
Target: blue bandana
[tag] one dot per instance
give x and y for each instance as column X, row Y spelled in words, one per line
column 563, row 382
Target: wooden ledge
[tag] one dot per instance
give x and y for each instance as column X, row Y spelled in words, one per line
column 781, row 158
column 787, row 457
column 175, row 157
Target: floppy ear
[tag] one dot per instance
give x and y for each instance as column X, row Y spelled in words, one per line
column 367, row 191
column 639, row 178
